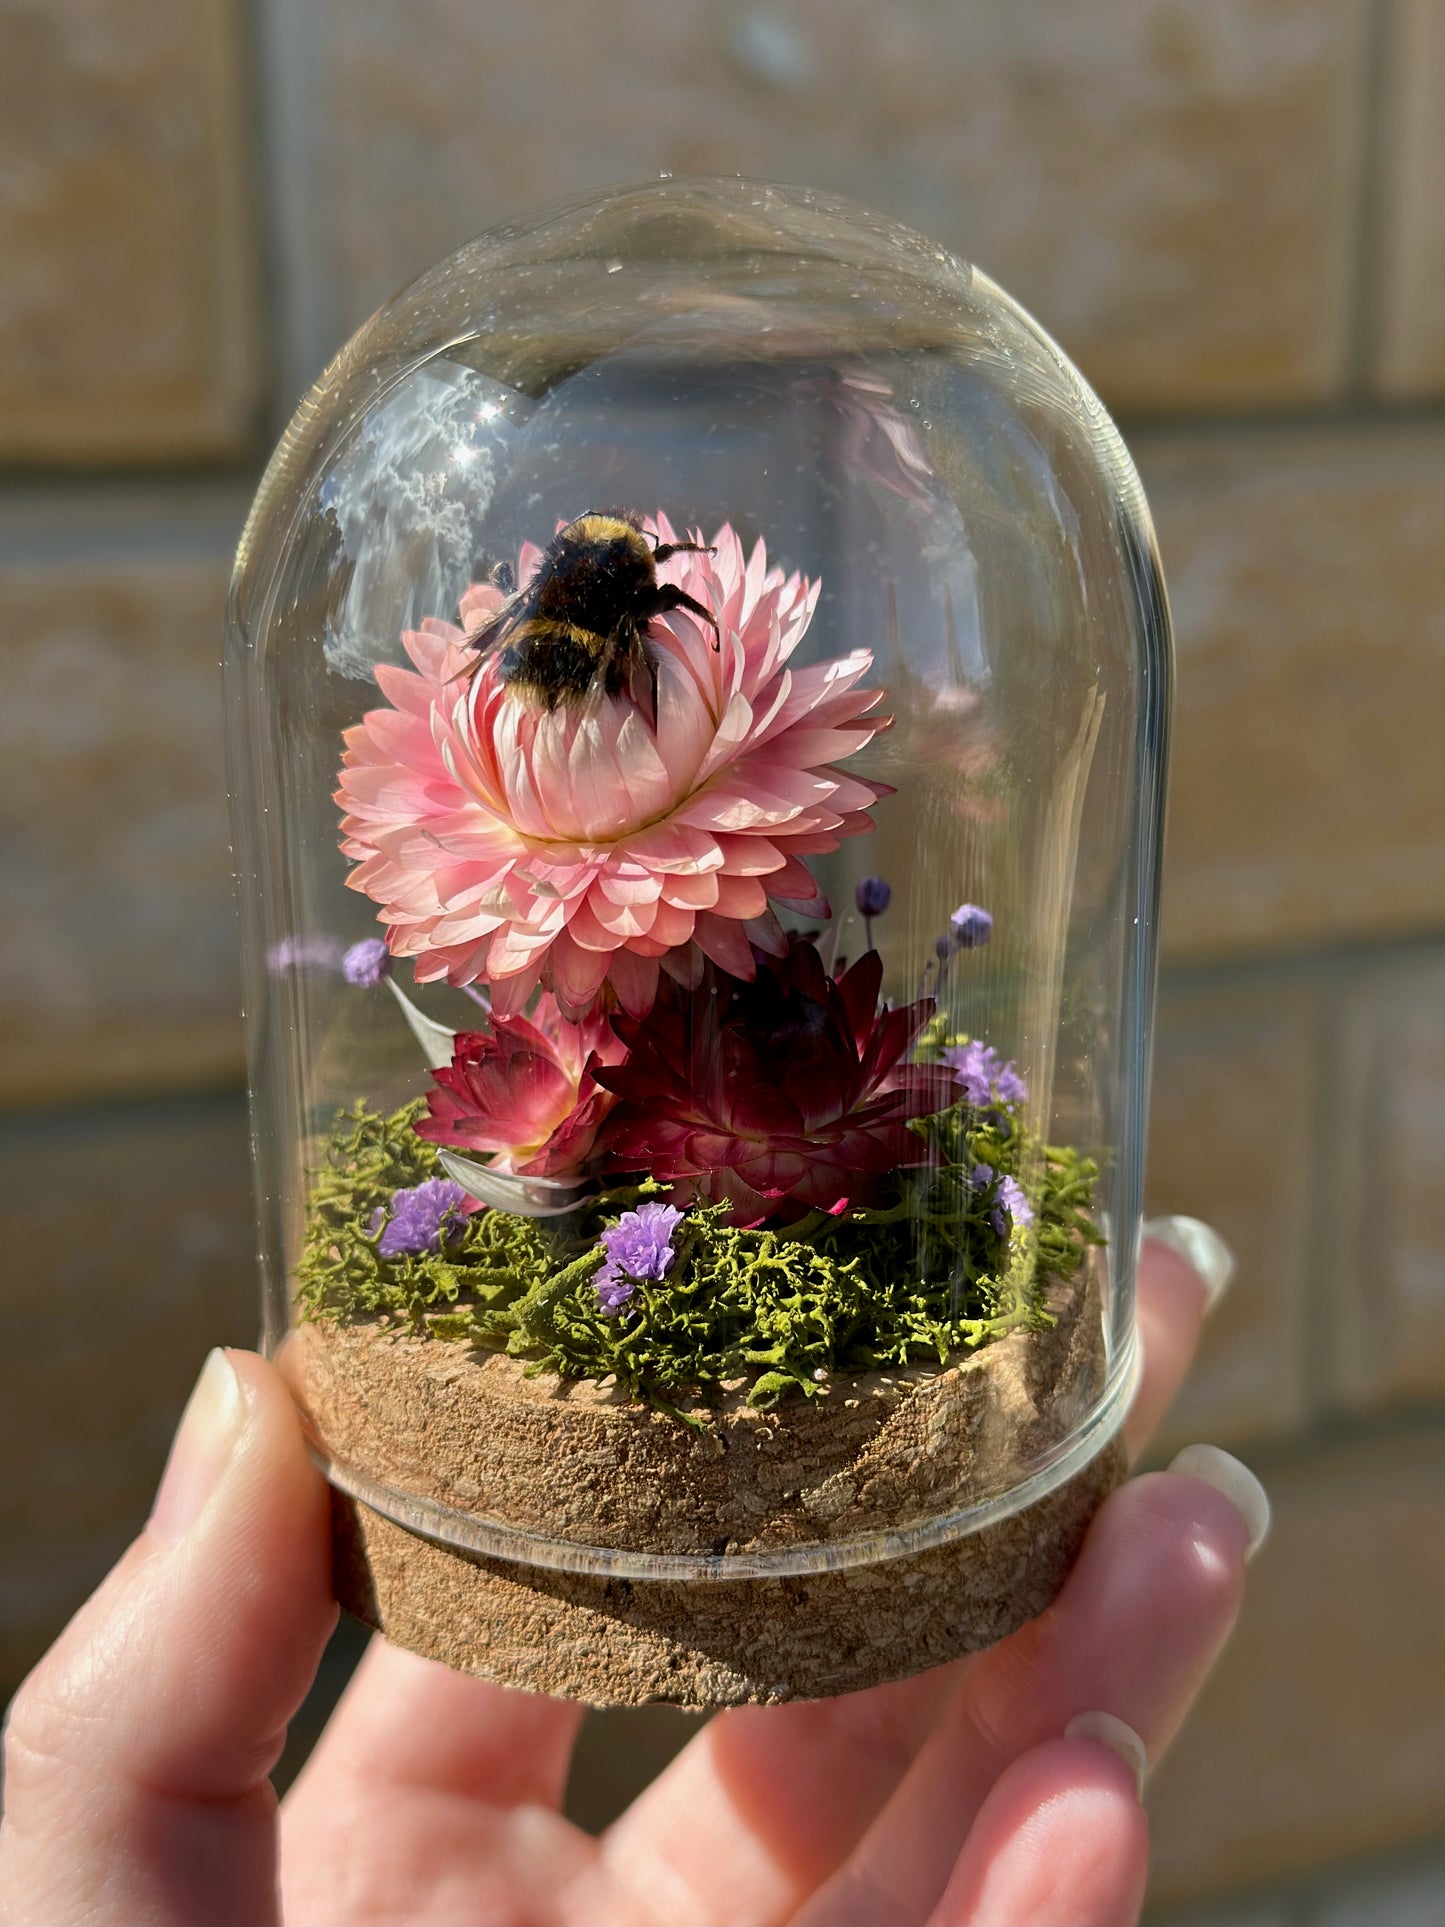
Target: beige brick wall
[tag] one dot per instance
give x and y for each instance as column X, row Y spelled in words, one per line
column 1409, row 357
column 1308, row 586
column 129, row 307
column 1234, row 217
column 120, row 975
column 1335, row 1661
column 1250, row 1170
column 1171, row 187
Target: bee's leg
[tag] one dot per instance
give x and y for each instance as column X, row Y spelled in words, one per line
column 668, row 596
column 504, row 577
column 627, row 663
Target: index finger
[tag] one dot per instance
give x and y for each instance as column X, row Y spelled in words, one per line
column 137, row 1753
column 1184, row 1267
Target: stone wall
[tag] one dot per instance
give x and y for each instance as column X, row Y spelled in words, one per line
column 1234, row 218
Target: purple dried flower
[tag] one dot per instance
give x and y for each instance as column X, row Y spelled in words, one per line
column 970, row 926
column 367, row 962
column 983, row 1075
column 420, row 1218
column 943, row 949
column 1011, row 1196
column 638, row 1246
column 1012, row 1207
column 613, row 1290
column 873, row 896
column 304, row 952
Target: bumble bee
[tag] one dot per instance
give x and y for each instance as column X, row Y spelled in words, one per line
column 583, row 617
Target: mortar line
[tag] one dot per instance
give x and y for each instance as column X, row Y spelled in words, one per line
column 1371, row 210
column 293, row 143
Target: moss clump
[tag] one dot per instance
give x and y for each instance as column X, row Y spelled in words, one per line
column 916, row 1279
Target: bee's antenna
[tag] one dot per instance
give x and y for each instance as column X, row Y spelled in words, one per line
column 662, row 551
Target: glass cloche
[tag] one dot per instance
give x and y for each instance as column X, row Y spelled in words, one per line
column 699, row 680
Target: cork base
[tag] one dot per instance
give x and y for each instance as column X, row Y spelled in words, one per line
column 703, row 1644
column 583, row 1467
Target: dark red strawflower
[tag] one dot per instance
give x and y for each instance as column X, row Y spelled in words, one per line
column 788, row 1092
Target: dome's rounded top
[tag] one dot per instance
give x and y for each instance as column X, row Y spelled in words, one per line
column 703, row 263
column 623, row 298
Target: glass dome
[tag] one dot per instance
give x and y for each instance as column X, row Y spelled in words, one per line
column 699, row 680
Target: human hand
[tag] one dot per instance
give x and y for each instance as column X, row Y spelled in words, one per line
column 138, row 1751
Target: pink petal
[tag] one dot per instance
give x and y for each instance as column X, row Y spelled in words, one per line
column 632, row 883
column 692, row 892
column 403, row 690
column 671, row 847
column 751, row 854
column 634, row 979
column 599, row 925
column 721, row 939
column 481, row 600
column 685, row 966
column 674, row 925
column 430, row 646
column 511, row 995
column 740, row 897
column 576, row 975
column 729, row 739
column 727, row 811
column 765, row 933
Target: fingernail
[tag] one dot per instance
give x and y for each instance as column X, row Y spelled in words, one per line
column 1199, row 1245
column 210, row 1426
column 1238, row 1484
column 1107, row 1730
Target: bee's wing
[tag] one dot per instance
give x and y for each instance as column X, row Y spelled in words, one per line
column 495, row 630
column 502, row 618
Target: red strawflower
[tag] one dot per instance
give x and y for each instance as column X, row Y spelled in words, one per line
column 524, row 1094
column 788, row 1092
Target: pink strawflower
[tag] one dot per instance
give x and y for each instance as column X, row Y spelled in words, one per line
column 584, row 846
column 523, row 1094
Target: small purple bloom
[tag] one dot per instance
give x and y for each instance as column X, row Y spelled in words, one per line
column 1011, row 1195
column 420, row 1218
column 304, row 953
column 943, row 949
column 872, row 896
column 638, row 1246
column 367, row 962
column 970, row 926
column 613, row 1290
column 984, row 1076
column 1012, row 1207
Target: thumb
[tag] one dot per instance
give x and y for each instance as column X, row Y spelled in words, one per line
column 137, row 1752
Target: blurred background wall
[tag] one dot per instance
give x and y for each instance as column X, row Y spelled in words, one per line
column 1233, row 216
